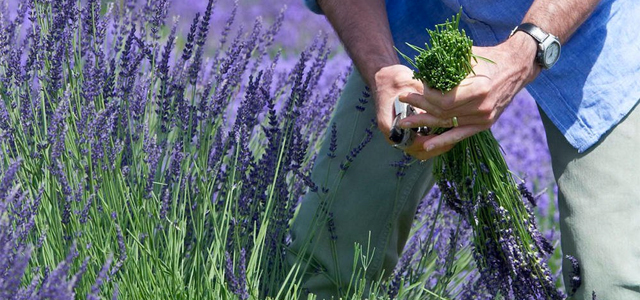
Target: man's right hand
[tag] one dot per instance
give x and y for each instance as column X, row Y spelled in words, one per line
column 391, row 82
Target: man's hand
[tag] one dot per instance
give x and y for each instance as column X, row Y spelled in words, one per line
column 479, row 99
column 391, row 82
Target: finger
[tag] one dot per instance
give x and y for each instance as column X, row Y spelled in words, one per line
column 421, row 154
column 425, row 119
column 416, row 146
column 418, row 101
column 470, row 107
column 445, row 141
column 416, row 149
column 428, row 120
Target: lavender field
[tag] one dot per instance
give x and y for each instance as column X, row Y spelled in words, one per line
column 159, row 149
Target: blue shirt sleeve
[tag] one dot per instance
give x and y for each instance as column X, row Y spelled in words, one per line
column 313, row 6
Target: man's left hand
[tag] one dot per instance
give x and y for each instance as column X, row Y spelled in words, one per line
column 479, row 99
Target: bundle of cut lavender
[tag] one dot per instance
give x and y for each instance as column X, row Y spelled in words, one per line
column 475, row 181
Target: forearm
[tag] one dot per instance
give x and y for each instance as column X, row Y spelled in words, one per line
column 560, row 18
column 363, row 28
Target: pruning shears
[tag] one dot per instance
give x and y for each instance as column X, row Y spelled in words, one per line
column 402, row 137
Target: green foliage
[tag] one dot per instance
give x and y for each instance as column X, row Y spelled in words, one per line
column 447, row 61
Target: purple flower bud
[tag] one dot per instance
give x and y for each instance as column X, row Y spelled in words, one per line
column 522, row 188
column 159, row 14
column 166, row 203
column 188, row 47
column 84, row 215
column 121, row 249
column 333, row 144
column 8, row 178
column 103, row 276
column 163, row 66
column 576, row 280
column 357, row 149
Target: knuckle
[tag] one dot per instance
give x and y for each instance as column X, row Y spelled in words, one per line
column 491, row 118
column 485, row 110
column 483, row 90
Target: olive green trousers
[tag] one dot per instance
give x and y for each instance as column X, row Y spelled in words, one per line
column 365, row 203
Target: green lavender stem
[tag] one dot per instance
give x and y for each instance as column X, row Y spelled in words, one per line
column 486, row 192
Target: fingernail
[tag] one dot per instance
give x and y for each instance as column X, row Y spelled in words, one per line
column 430, row 147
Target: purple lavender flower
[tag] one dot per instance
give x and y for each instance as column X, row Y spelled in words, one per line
column 402, row 165
column 90, row 14
column 227, row 28
column 333, row 144
column 127, row 53
column 243, row 292
column 108, row 88
column 576, row 280
column 114, row 296
column 121, row 249
column 331, row 226
column 401, row 269
column 363, row 101
column 15, row 265
column 56, row 286
column 351, row 156
column 142, row 237
column 153, row 153
column 527, row 194
column 7, row 179
column 103, row 276
column 176, row 162
column 166, row 203
column 229, row 274
column 84, row 215
column 307, row 180
column 188, row 47
column 159, row 14
column 163, row 66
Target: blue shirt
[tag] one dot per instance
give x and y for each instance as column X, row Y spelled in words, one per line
column 593, row 86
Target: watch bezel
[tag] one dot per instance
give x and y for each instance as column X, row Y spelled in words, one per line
column 545, row 46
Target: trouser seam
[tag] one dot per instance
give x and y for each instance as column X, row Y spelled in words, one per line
column 378, row 260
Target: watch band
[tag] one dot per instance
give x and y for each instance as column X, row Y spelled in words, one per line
column 532, row 30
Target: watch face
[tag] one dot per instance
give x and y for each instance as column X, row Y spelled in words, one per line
column 551, row 54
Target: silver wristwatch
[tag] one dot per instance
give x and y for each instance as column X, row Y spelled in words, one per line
column 548, row 44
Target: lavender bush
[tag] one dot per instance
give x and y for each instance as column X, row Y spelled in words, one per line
column 146, row 155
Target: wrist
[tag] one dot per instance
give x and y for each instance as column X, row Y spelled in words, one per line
column 523, row 53
column 395, row 78
column 375, row 68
